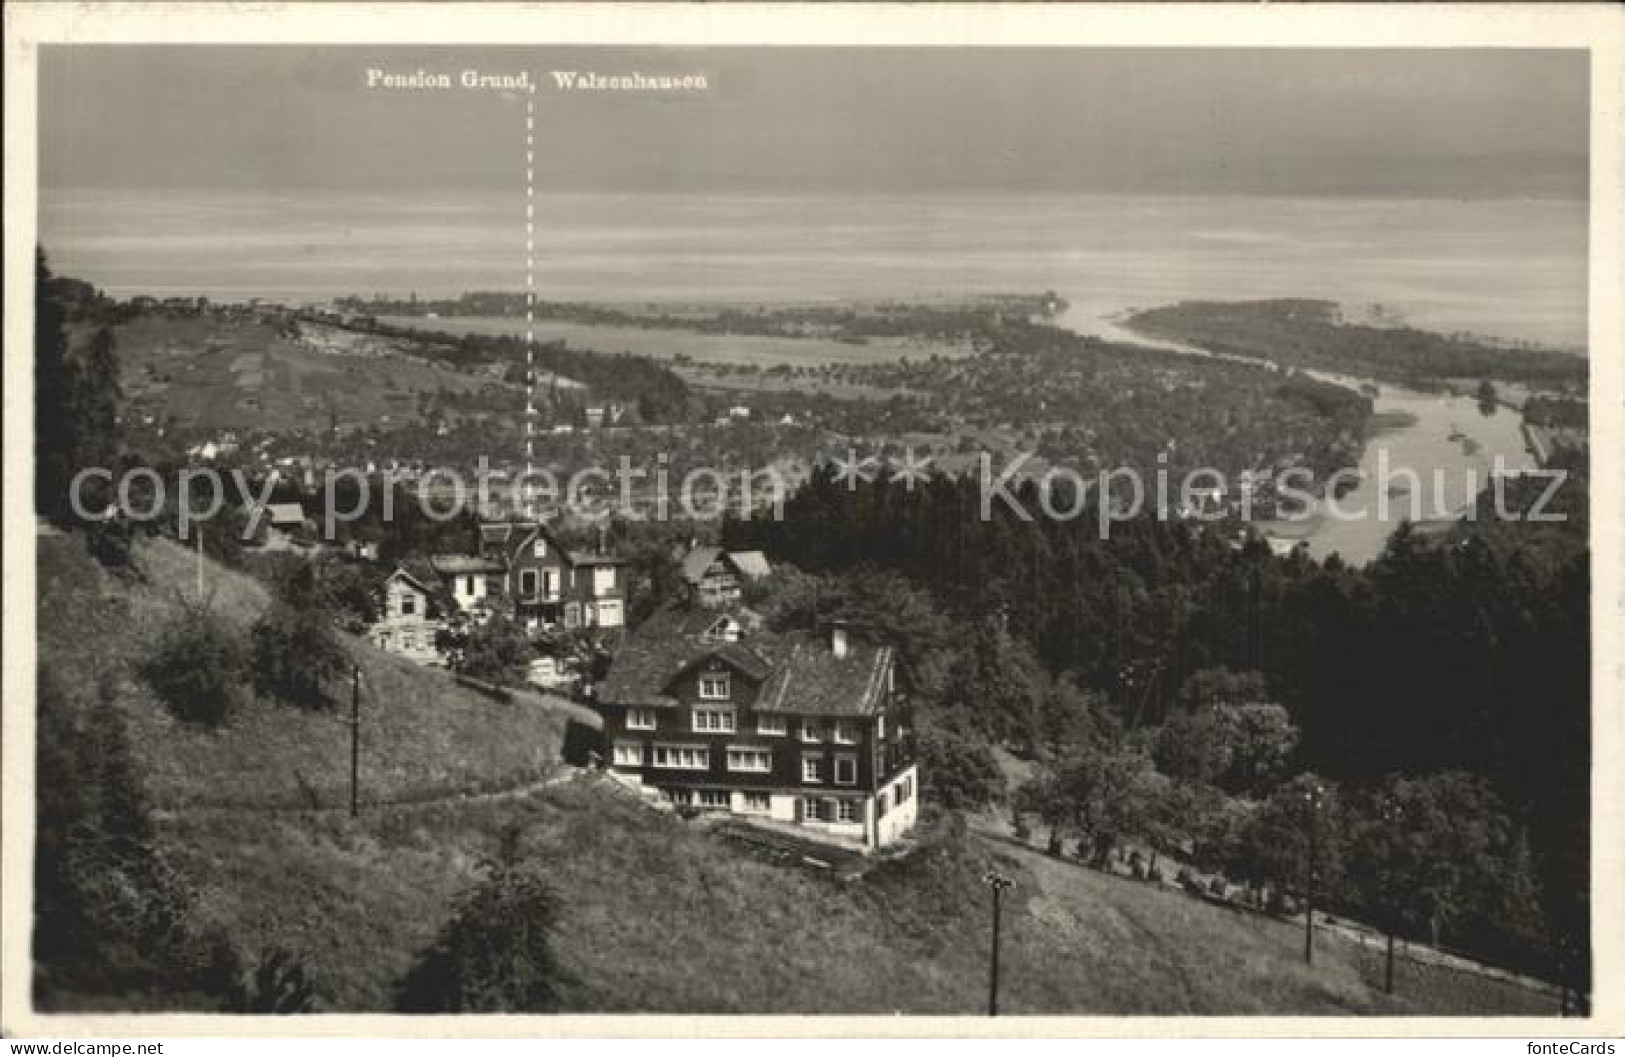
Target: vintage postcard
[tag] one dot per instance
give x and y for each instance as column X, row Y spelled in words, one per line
column 894, row 520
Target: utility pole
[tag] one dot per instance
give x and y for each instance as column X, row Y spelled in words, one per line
column 1314, row 796
column 355, row 743
column 200, row 563
column 998, row 883
column 1393, row 814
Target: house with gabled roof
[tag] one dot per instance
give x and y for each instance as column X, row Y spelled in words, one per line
column 546, row 583
column 406, row 625
column 716, row 577
column 798, row 729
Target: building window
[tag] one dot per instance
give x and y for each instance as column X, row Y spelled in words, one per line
column 758, row 803
column 683, row 757
column 880, row 805
column 715, row 687
column 812, row 769
column 640, row 719
column 409, row 604
column 812, row 809
column 527, row 581
column 712, row 720
column 540, row 548
column 812, row 731
column 846, row 811
column 678, row 796
column 846, row 732
column 846, row 770
column 714, row 798
column 880, row 728
column 759, row 760
column 770, row 725
column 628, row 754
column 468, row 585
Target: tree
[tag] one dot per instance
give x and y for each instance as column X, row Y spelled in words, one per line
column 496, row 650
column 1240, row 748
column 956, row 766
column 76, row 398
column 496, row 953
column 198, row 666
column 1294, row 841
column 1101, row 796
column 110, row 916
column 1430, row 852
column 296, row 654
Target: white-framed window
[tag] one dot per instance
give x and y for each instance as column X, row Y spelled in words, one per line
column 750, row 759
column 409, row 640
column 770, row 725
column 409, row 603
column 683, row 757
column 527, row 581
column 846, row 811
column 715, row 686
column 880, row 728
column 846, row 732
column 812, row 731
column 757, row 803
column 714, row 720
column 812, row 769
column 678, row 796
column 468, row 585
column 846, row 770
column 539, row 548
column 812, row 808
column 628, row 754
column 603, row 580
column 640, row 719
column 714, row 798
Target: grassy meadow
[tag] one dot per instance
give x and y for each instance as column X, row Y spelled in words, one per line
column 422, row 734
column 216, row 374
column 765, row 351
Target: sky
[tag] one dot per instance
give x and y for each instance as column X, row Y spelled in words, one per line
column 1456, row 123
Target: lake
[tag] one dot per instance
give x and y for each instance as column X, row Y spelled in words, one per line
column 1513, row 269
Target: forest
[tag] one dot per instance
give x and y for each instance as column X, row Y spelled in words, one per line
column 1459, row 661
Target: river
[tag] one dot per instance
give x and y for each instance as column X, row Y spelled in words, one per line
column 1428, row 455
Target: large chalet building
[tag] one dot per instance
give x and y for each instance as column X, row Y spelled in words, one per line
column 792, row 728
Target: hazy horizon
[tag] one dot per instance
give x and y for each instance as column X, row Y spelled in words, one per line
column 1455, row 123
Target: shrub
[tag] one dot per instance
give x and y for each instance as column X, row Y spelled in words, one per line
column 496, row 953
column 296, row 654
column 197, row 667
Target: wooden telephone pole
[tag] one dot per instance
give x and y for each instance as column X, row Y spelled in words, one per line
column 355, row 743
column 998, row 883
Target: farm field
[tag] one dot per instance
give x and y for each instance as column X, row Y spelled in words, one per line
column 667, row 343
column 216, row 373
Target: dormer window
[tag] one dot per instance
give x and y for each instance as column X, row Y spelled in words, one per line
column 539, row 548
column 715, row 686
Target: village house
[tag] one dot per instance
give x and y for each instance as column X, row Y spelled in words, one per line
column 405, row 625
column 473, row 581
column 714, row 577
column 796, row 728
column 547, row 584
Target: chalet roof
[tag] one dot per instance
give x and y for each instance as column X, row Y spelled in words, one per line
column 400, row 572
column 752, row 564
column 696, row 561
column 594, row 558
column 799, row 672
column 463, row 564
column 285, row 513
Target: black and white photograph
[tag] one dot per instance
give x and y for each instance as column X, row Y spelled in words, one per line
column 778, row 525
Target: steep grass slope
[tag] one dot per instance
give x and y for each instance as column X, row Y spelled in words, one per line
column 421, row 734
